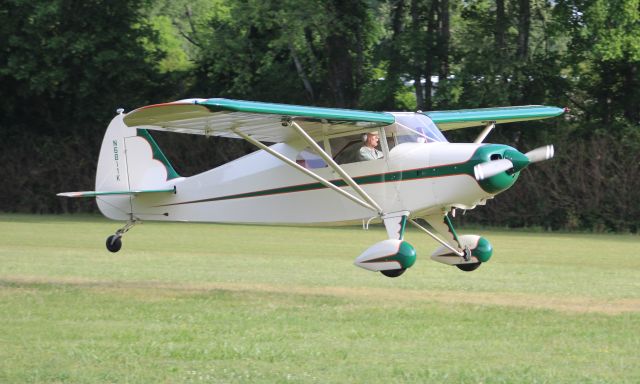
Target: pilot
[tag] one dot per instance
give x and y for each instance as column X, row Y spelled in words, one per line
column 368, row 150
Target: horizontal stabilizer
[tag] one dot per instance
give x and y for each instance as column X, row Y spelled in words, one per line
column 107, row 193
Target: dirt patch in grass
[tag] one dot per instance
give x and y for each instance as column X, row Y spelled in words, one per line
column 380, row 297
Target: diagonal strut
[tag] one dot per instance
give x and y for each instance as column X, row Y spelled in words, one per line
column 307, row 172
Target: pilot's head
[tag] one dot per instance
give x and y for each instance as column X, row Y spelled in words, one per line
column 371, row 139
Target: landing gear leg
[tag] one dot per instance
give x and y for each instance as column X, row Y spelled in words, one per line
column 467, row 253
column 114, row 242
column 468, row 267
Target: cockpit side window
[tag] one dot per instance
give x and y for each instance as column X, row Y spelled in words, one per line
column 345, row 148
column 351, row 148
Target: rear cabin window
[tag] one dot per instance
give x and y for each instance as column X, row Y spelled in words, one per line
column 309, row 159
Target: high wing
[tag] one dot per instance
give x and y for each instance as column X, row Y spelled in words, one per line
column 261, row 121
column 464, row 118
column 266, row 121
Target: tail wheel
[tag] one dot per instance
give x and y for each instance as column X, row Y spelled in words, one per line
column 468, row 267
column 114, row 243
column 393, row 272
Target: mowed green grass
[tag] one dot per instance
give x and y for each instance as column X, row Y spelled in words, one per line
column 243, row 304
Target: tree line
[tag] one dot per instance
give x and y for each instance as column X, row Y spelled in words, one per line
column 65, row 66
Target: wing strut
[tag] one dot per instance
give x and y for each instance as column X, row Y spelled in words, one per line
column 436, row 238
column 307, row 172
column 485, row 132
column 336, row 167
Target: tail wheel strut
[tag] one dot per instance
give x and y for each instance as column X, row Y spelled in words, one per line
column 114, row 242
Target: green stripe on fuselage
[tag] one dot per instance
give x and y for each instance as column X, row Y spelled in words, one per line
column 493, row 184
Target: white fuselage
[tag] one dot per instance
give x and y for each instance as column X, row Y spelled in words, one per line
column 259, row 188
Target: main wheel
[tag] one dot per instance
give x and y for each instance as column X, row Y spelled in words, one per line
column 393, row 272
column 114, row 243
column 468, row 267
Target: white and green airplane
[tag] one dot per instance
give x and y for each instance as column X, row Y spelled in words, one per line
column 312, row 174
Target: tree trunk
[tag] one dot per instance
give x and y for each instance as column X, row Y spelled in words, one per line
column 431, row 51
column 340, row 68
column 444, row 36
column 301, row 72
column 604, row 93
column 345, row 51
column 418, row 57
column 501, row 27
column 524, row 27
column 631, row 92
column 392, row 78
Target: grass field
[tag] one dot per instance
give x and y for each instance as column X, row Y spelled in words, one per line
column 243, row 304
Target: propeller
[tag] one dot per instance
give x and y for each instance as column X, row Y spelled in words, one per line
column 491, row 168
column 514, row 160
column 540, row 154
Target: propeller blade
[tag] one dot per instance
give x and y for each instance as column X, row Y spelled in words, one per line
column 491, row 168
column 540, row 154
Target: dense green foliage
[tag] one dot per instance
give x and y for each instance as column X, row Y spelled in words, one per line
column 65, row 66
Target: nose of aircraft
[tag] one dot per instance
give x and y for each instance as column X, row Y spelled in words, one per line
column 499, row 165
column 517, row 158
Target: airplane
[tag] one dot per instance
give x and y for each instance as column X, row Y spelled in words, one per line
column 306, row 171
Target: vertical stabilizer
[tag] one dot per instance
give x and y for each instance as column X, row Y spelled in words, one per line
column 129, row 160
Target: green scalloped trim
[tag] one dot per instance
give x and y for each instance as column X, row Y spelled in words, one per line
column 157, row 154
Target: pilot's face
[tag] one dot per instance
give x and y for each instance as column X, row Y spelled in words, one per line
column 372, row 140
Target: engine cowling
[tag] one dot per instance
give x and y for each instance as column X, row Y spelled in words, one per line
column 387, row 255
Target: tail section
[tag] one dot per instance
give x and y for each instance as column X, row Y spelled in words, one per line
column 130, row 160
column 130, row 164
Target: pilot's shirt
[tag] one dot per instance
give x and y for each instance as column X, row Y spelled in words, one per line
column 367, row 153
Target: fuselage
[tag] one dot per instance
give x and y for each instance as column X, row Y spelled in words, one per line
column 422, row 178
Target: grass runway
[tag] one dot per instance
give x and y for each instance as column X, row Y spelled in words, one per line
column 196, row 303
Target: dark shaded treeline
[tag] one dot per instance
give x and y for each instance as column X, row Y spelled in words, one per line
column 65, row 66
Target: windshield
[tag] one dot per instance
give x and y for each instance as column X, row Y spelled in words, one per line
column 413, row 127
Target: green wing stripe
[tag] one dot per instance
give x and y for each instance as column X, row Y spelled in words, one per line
column 319, row 113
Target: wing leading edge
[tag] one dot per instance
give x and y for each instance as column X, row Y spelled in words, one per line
column 264, row 121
